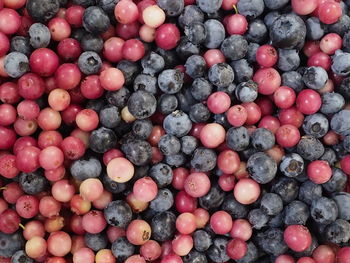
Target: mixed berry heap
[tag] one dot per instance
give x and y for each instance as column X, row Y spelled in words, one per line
column 174, row 131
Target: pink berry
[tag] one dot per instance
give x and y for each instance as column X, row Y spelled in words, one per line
column 297, row 237
column 246, row 191
column 319, row 172
column 197, row 184
column 221, row 222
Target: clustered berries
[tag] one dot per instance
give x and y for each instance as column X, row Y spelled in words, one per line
column 174, row 131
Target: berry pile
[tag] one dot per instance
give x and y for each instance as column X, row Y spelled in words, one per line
column 174, row 131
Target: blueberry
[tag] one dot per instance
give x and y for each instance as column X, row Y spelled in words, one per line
column 118, row 98
column 234, row 47
column 142, row 104
column 21, row 44
column 170, row 81
column 176, row 160
column 343, row 201
column 287, row 188
column 86, row 167
column 42, row 11
column 215, row 33
column 247, row 91
column 309, row 191
column 188, row 144
column 213, row 199
column 130, row 70
column 273, row 242
column 146, row 83
column 189, row 15
column 251, row 52
column 330, row 156
column 152, row 63
column 163, row 226
column 222, row 120
column 340, row 123
column 270, row 18
column 199, row 113
column 162, row 174
column 234, row 208
column 10, row 243
column 122, row 249
column 217, row 251
column 251, row 8
column 237, row 139
column 314, row 28
column 169, row 144
column 209, row 6
column 288, row 59
column 171, row 7
column 203, row 159
column 338, row 232
column 142, row 128
column 275, row 4
column 33, row 183
column 243, row 71
column 84, row 3
column 341, row 63
column 167, row 103
column 339, row 150
column 95, row 20
column 163, row 201
column 201, row 89
column 21, row 257
column 292, row 165
column 40, row 35
column 95, row 241
column 251, row 255
column 138, row 152
column 296, row 213
column 16, row 64
column 346, row 143
column 185, row 100
column 112, row 186
column 118, row 213
column 262, row 139
column 346, row 41
column 261, row 167
column 89, row 63
column 108, row 5
column 170, row 57
column 78, row 33
column 257, row 31
column 109, row 116
column 186, row 48
column 91, row 42
column 195, row 66
column 195, row 32
column 195, row 257
column 337, row 181
column 202, row 240
column 341, row 26
column 315, row 77
column 324, row 210
column 271, row 204
column 316, row 125
column 96, row 104
column 102, row 140
column 276, row 221
column 310, row 148
column 258, row 218
column 221, row 75
column 288, row 31
column 332, row 103
column 177, row 123
column 293, row 79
